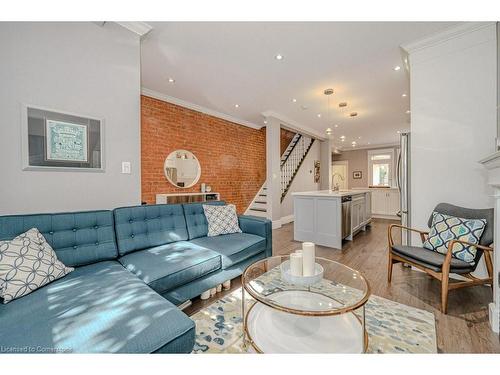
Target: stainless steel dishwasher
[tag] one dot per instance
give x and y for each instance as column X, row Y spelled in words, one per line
column 346, row 216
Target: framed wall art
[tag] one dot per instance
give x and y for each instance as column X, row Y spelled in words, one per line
column 54, row 140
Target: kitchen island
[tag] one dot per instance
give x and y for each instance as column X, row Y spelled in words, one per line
column 327, row 217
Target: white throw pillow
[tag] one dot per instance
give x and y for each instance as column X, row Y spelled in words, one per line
column 221, row 219
column 27, row 263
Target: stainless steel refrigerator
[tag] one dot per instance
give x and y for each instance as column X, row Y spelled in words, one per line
column 403, row 181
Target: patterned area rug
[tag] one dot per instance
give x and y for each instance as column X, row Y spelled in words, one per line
column 392, row 327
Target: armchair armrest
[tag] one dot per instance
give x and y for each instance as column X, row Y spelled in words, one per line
column 259, row 226
column 449, row 253
column 391, row 240
column 477, row 246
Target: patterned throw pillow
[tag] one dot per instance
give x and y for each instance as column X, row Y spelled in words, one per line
column 27, row 263
column 445, row 228
column 221, row 219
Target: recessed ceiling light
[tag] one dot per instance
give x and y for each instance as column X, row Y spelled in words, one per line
column 398, row 131
column 279, row 56
column 397, row 67
column 304, row 107
column 368, row 143
column 353, row 114
column 403, row 95
column 171, row 80
column 236, row 106
column 265, row 121
column 319, row 115
column 294, row 100
column 336, row 125
column 408, row 111
column 343, row 104
column 359, row 137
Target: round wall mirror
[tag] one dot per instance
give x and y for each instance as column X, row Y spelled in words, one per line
column 182, row 168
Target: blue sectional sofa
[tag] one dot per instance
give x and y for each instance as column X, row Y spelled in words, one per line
column 133, row 265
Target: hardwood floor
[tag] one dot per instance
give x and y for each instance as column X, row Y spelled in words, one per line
column 465, row 329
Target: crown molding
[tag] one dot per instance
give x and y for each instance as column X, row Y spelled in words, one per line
column 139, row 28
column 197, row 108
column 293, row 125
column 445, row 35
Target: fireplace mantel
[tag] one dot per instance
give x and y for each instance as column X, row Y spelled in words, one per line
column 492, row 165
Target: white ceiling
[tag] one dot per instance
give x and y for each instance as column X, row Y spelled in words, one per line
column 217, row 65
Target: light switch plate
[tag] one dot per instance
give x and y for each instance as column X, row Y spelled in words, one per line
column 126, row 169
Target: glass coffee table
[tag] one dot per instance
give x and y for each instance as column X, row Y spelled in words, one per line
column 327, row 317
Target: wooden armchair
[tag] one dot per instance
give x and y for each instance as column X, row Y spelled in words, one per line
column 440, row 266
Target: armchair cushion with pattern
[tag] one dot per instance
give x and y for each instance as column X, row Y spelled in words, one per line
column 440, row 261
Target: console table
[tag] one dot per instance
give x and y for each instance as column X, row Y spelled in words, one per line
column 186, row 197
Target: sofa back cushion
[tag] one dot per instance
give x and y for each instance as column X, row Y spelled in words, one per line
column 196, row 221
column 78, row 238
column 142, row 227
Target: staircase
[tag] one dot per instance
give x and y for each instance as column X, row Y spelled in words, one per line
column 291, row 160
column 258, row 207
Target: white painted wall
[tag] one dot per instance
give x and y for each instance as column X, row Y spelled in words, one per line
column 453, row 125
column 304, row 180
column 80, row 68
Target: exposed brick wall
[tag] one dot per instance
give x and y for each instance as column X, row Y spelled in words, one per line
column 285, row 139
column 232, row 157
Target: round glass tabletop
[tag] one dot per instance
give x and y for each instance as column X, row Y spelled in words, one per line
column 342, row 289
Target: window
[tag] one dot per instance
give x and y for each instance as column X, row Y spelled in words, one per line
column 381, row 167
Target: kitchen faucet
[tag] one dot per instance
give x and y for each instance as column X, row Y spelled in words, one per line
column 336, row 187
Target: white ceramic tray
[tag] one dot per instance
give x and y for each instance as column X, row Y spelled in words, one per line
column 301, row 280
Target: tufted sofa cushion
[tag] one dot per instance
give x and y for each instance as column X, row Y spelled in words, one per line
column 78, row 238
column 168, row 266
column 196, row 221
column 142, row 227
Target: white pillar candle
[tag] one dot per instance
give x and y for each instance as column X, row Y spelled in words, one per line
column 308, row 258
column 296, row 264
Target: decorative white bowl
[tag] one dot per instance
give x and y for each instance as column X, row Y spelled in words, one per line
column 287, row 276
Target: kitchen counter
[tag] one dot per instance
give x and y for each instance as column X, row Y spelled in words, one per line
column 328, row 217
column 333, row 194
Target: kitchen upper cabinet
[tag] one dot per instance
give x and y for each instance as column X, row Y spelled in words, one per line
column 385, row 202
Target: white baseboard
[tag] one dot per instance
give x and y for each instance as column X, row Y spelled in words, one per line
column 287, row 219
column 284, row 220
column 389, row 217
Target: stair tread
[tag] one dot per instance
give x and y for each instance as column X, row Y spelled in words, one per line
column 258, row 209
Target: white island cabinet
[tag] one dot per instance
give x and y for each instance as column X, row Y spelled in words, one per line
column 326, row 217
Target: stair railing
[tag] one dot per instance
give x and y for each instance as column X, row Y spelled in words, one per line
column 293, row 161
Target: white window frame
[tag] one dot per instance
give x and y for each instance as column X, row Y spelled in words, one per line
column 391, row 165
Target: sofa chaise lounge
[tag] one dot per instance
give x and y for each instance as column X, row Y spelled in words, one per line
column 133, row 265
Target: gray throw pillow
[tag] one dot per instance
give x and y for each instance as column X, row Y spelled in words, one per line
column 27, row 263
column 221, row 219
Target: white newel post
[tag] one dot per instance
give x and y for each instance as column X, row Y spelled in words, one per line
column 492, row 164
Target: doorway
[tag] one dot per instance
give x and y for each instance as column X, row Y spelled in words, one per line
column 340, row 171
